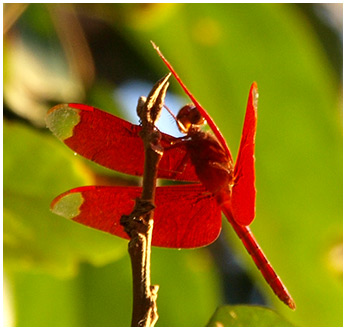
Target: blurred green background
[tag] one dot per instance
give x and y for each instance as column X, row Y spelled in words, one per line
column 59, row 273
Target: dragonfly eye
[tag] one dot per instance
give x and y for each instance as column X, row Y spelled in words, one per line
column 189, row 116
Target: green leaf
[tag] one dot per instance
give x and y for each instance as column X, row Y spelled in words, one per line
column 190, row 287
column 102, row 296
column 246, row 316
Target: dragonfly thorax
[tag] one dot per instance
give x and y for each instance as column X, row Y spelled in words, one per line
column 213, row 166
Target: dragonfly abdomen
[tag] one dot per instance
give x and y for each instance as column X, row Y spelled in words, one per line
column 258, row 256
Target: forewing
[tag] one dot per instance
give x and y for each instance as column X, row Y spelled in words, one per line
column 176, row 163
column 244, row 191
column 202, row 111
column 98, row 136
column 185, row 216
column 114, row 143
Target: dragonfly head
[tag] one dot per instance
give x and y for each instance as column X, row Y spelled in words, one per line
column 189, row 117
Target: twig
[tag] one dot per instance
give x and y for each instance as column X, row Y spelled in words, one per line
column 139, row 224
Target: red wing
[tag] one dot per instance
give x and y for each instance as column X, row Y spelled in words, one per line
column 244, row 191
column 186, row 216
column 202, row 111
column 114, row 142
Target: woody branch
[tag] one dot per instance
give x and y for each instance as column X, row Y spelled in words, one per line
column 139, row 224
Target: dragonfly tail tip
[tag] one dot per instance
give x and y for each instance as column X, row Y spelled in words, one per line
column 291, row 304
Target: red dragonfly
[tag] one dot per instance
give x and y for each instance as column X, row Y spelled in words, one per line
column 186, row 216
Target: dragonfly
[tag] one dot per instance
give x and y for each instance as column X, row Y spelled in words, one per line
column 187, row 215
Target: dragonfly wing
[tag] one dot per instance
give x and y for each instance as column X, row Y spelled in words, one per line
column 176, row 163
column 98, row 136
column 113, row 142
column 244, row 191
column 99, row 207
column 202, row 111
column 185, row 217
